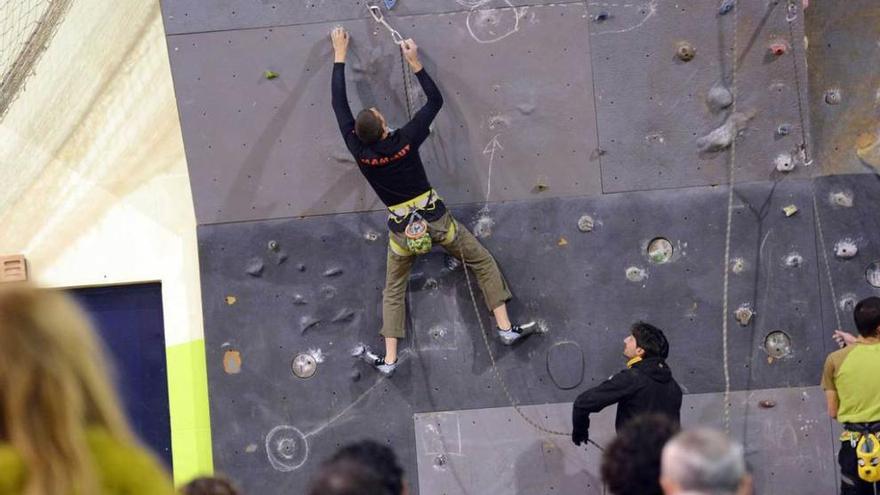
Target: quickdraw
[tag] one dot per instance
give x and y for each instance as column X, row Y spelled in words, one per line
column 376, row 13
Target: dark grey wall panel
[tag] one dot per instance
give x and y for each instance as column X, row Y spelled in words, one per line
column 495, row 451
column 326, row 295
column 842, row 42
column 261, row 148
column 193, row 16
column 652, row 107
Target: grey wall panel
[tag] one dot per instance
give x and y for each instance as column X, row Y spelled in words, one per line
column 519, row 119
column 495, row 451
column 839, row 34
column 652, row 107
column 192, row 16
column 261, row 148
column 322, row 290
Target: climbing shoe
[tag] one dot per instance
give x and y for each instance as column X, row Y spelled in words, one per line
column 364, row 353
column 516, row 332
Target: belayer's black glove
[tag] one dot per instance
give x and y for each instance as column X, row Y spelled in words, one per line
column 579, row 437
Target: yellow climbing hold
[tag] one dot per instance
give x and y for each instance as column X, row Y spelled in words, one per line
column 562, row 241
column 790, row 210
column 230, row 300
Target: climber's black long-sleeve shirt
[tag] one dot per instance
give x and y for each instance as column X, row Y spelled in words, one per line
column 392, row 165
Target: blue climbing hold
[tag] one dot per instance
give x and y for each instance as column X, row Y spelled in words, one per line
column 726, row 6
column 389, row 4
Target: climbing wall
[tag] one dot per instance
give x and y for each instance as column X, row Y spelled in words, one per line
column 589, row 147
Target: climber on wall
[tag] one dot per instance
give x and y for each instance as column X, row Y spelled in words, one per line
column 645, row 386
column 389, row 160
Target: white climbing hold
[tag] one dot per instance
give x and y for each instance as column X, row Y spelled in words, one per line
column 784, row 162
column 846, row 249
column 843, row 199
column 636, row 274
column 744, row 314
column 585, row 223
column 793, row 260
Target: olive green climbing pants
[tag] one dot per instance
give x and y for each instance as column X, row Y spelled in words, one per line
column 458, row 242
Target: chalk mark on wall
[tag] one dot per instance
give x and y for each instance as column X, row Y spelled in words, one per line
column 479, row 15
column 649, row 9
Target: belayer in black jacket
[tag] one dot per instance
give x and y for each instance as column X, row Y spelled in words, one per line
column 645, row 386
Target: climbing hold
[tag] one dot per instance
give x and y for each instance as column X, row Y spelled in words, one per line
column 790, row 210
column 847, row 303
column 585, row 223
column 452, row 263
column 304, row 365
column 744, row 314
column 833, row 96
column 251, row 448
column 301, row 267
column 783, row 130
column 270, row 74
column 778, row 47
column 430, row 284
column 562, row 242
column 737, row 265
column 784, row 162
column 525, row 109
column 723, row 136
column 767, row 404
column 230, row 300
column 777, row 344
column 371, row 235
column 437, row 332
column 328, row 291
column 299, row 300
column 793, row 260
column 596, row 153
column 868, row 149
column 726, row 6
column 565, row 364
column 602, row 16
column 232, row 362
column 308, row 322
column 660, row 250
column 872, row 274
column 389, row 4
column 343, row 315
column 355, row 375
column 843, row 199
column 482, row 228
column 636, row 274
column 846, row 249
column 332, row 272
column 273, row 246
column 719, row 97
column 254, row 267
column 685, row 51
column 440, row 460
column 541, row 184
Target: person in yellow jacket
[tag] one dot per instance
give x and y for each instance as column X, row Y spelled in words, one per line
column 62, row 430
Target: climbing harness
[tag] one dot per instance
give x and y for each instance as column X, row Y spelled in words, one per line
column 730, row 181
column 534, row 424
column 376, row 12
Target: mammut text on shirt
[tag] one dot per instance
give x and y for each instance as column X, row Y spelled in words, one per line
column 853, row 373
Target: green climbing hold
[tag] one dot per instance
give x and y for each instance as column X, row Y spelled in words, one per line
column 270, row 74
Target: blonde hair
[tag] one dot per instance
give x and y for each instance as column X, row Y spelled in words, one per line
column 53, row 386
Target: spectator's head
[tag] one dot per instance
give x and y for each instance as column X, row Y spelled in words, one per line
column 210, row 485
column 703, row 462
column 645, row 341
column 867, row 317
column 53, row 385
column 631, row 463
column 369, row 125
column 347, row 477
column 380, row 458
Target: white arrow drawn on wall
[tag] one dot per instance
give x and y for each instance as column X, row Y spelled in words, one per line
column 490, row 150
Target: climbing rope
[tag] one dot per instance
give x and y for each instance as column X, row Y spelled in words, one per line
column 534, row 424
column 731, row 176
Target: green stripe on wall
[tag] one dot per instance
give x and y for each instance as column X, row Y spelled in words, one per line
column 188, row 407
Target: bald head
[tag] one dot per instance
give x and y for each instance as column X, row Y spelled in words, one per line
column 702, row 462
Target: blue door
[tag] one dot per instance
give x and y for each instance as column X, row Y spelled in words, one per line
column 129, row 318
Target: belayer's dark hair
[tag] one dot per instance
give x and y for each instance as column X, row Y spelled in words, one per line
column 631, row 463
column 867, row 316
column 368, row 126
column 651, row 339
column 378, row 457
column 347, row 477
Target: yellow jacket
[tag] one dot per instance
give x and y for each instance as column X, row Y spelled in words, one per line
column 123, row 469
